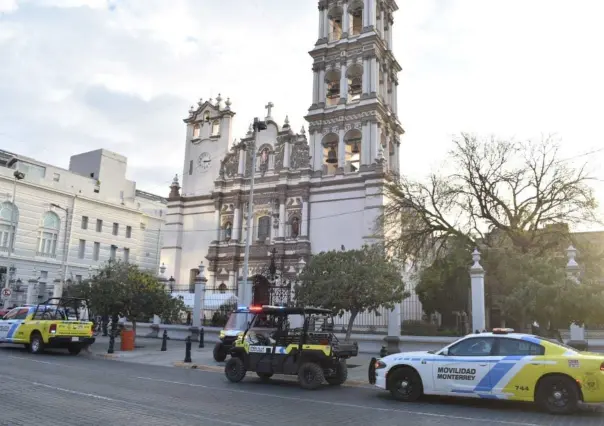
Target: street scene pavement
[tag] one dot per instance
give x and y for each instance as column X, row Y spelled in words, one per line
column 89, row 389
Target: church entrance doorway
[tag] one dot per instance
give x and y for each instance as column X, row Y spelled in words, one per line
column 261, row 291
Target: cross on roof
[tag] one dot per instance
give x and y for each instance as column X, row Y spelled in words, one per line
column 269, row 108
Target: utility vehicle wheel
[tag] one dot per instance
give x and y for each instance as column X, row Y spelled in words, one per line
column 74, row 349
column 310, row 376
column 235, row 370
column 265, row 376
column 220, row 352
column 340, row 375
column 557, row 395
column 405, row 384
column 36, row 343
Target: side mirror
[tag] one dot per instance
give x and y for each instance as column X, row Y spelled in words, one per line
column 445, row 352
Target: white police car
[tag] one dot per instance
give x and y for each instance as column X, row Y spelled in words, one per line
column 496, row 365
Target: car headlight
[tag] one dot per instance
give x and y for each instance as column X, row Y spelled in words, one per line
column 222, row 333
column 380, row 364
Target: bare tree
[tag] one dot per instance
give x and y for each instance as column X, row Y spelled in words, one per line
column 521, row 191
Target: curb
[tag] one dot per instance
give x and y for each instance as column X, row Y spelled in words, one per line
column 108, row 356
column 216, row 369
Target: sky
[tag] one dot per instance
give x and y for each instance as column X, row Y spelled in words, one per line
column 78, row 75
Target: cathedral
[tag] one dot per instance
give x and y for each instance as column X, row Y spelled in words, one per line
column 316, row 189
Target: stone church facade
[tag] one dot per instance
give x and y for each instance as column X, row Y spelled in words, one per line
column 315, row 190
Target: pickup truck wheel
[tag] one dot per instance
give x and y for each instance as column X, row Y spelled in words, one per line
column 74, row 349
column 235, row 370
column 340, row 376
column 36, row 343
column 557, row 395
column 405, row 384
column 310, row 376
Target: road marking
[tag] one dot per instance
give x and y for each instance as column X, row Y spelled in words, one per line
column 342, row 404
column 121, row 401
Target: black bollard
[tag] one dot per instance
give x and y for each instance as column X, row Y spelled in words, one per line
column 164, row 341
column 188, row 349
column 111, row 343
column 383, row 352
column 201, row 336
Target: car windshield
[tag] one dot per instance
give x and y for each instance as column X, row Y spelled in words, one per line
column 556, row 342
column 238, row 321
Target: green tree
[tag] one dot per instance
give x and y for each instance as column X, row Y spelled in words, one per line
column 353, row 281
column 123, row 289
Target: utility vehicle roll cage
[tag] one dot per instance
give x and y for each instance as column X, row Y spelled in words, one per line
column 62, row 305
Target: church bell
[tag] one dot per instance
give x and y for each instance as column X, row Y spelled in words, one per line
column 332, row 157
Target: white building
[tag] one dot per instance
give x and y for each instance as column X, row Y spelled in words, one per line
column 315, row 190
column 77, row 218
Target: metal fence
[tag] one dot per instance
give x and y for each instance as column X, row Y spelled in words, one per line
column 218, row 303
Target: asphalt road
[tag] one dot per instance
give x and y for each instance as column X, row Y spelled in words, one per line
column 58, row 389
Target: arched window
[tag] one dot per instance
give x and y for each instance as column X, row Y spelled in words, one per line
column 264, row 228
column 222, row 288
column 49, row 234
column 215, row 128
column 206, row 116
column 196, row 131
column 8, row 214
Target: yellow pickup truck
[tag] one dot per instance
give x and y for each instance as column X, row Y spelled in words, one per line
column 55, row 323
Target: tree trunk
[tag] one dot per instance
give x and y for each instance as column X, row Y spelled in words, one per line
column 353, row 315
column 134, row 330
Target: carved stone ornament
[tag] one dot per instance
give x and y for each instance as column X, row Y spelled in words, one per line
column 279, row 155
column 300, row 156
column 231, row 164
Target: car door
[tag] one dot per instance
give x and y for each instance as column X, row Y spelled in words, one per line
column 463, row 368
column 518, row 365
column 19, row 333
column 6, row 326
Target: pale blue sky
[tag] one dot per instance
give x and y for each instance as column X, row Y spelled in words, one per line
column 121, row 74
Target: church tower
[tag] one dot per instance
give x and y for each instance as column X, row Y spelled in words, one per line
column 353, row 119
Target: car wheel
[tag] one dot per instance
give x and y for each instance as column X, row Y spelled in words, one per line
column 235, row 370
column 557, row 395
column 340, row 376
column 220, row 352
column 36, row 343
column 265, row 376
column 310, row 376
column 74, row 349
column 405, row 384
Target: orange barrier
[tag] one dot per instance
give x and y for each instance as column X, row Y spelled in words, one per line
column 127, row 340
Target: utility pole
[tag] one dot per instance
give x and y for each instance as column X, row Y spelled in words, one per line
column 58, row 290
column 247, row 292
column 13, row 231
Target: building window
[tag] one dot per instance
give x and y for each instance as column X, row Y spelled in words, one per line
column 82, row 249
column 99, row 225
column 116, row 228
column 215, row 128
column 49, row 234
column 113, row 253
column 84, row 222
column 56, row 177
column 96, row 250
column 128, row 231
column 9, row 217
column 126, row 255
column 196, row 131
column 264, row 228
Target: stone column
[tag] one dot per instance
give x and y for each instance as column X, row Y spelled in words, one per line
column 241, row 166
column 366, row 13
column 395, row 98
column 374, row 148
column 286, row 154
column 341, row 148
column 394, row 330
column 374, row 76
column 382, row 26
column 371, row 15
column 390, row 32
column 343, row 83
column 282, row 218
column 315, row 86
column 237, row 222
column 304, row 224
column 385, row 86
column 31, row 292
column 200, row 290
column 365, row 143
column 366, row 75
column 577, row 331
column 477, row 288
column 322, row 86
column 322, row 11
column 345, row 20
column 217, row 219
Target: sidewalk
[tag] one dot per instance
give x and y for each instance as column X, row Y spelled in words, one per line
column 148, row 352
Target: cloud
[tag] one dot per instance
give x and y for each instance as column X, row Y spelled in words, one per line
column 77, row 75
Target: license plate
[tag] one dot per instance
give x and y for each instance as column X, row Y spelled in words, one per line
column 75, row 339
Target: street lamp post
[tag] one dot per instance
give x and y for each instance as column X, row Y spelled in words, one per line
column 11, row 243
column 247, row 292
column 58, row 290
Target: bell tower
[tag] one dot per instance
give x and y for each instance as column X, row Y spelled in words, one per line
column 353, row 119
